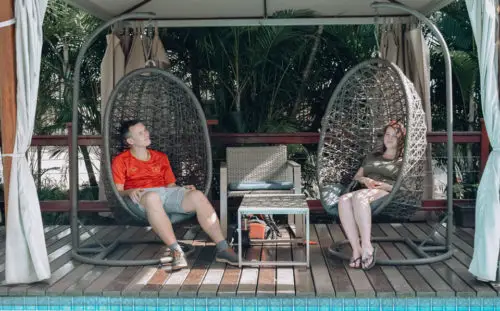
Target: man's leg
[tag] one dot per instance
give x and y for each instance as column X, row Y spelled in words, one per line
column 158, row 218
column 196, row 201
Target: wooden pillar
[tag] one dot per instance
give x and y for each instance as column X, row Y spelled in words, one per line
column 7, row 90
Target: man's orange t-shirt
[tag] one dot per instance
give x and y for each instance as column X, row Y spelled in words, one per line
column 134, row 173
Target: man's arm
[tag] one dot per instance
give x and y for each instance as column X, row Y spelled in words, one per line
column 134, row 194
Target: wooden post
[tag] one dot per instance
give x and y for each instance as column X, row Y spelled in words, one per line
column 8, row 107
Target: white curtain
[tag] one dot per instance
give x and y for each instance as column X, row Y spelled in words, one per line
column 26, row 259
column 487, row 233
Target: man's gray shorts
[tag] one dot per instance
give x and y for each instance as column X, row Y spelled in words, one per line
column 172, row 203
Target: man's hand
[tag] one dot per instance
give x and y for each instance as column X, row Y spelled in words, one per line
column 190, row 187
column 136, row 194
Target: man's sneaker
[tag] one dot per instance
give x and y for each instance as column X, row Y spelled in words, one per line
column 228, row 256
column 178, row 262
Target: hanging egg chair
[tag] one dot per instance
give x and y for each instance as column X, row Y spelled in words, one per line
column 178, row 127
column 368, row 97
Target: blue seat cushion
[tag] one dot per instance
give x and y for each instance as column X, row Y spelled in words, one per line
column 260, row 185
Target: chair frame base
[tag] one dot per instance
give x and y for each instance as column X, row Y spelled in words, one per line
column 99, row 252
column 413, row 244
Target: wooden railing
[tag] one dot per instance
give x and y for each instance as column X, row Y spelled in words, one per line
column 254, row 138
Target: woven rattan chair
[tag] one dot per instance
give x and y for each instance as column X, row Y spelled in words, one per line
column 178, row 127
column 253, row 170
column 367, row 98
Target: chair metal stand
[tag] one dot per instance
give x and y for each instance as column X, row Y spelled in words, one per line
column 96, row 253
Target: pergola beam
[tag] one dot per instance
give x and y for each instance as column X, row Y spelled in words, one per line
column 8, row 107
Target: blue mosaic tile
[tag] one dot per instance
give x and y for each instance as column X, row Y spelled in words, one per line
column 225, row 305
column 287, row 304
column 127, row 304
column 374, row 304
column 363, row 304
column 412, row 304
column 349, row 304
column 399, row 304
column 237, row 304
column 300, row 304
column 425, row 303
column 387, row 303
column 336, row 303
column 252, row 304
column 212, row 304
column 163, row 304
column 463, row 304
column 449, row 304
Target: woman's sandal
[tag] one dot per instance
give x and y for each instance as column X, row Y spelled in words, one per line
column 367, row 259
column 356, row 261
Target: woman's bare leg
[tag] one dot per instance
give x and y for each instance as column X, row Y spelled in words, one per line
column 363, row 215
column 348, row 222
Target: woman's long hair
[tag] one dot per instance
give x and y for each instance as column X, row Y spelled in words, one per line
column 400, row 132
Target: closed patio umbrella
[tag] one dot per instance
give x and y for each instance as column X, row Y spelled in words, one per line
column 112, row 70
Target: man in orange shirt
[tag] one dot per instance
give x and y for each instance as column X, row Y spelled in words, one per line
column 145, row 179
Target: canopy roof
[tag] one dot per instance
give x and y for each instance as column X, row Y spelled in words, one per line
column 173, row 13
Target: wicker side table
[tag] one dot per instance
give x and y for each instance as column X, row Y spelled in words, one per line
column 281, row 200
column 284, row 204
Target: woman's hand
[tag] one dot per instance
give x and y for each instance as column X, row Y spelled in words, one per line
column 368, row 182
column 383, row 186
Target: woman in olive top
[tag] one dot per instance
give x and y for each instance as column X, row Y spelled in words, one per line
column 376, row 175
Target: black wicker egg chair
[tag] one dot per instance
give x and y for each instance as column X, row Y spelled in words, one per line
column 366, row 99
column 177, row 126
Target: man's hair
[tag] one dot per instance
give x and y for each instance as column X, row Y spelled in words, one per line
column 125, row 128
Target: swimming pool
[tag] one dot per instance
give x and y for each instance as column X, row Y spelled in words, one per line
column 246, row 304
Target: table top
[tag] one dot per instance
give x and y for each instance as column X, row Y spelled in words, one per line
column 274, row 200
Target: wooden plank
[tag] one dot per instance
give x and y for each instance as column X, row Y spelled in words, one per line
column 155, row 283
column 110, row 274
column 214, row 276
column 441, row 288
column 304, row 284
column 410, row 274
column 61, row 264
column 125, row 277
column 397, row 283
column 53, row 251
column 359, row 279
column 460, row 287
column 336, row 266
column 284, row 275
column 72, row 277
column 231, row 276
column 481, row 289
column 323, row 285
column 249, row 274
column 197, row 273
column 266, row 284
column 174, row 282
column 78, row 287
column 52, row 237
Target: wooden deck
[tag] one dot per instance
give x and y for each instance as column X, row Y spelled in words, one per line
column 327, row 277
